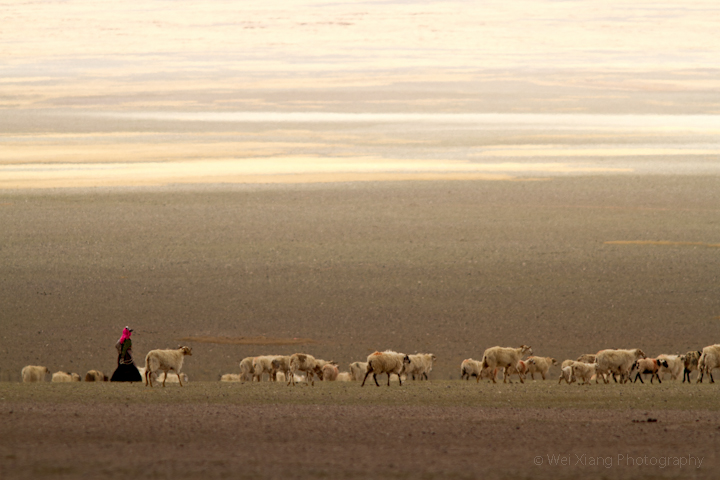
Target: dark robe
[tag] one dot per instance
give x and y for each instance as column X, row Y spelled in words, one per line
column 126, row 370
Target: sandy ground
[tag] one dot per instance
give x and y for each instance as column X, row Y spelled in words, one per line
column 429, row 430
column 446, row 267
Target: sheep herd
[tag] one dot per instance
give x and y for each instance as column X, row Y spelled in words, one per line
column 618, row 364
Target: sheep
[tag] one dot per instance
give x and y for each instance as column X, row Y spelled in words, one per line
column 386, row 362
column 566, row 374
column 691, row 363
column 280, row 364
column 62, row 377
column 520, row 369
column 503, row 357
column 344, row 377
column 95, row 376
column 612, row 361
column 357, row 370
column 540, row 365
column 302, row 362
column 153, row 375
column 648, row 365
column 230, row 377
column 473, row 368
column 175, row 378
column 330, row 372
column 262, row 365
column 165, row 360
column 587, row 358
column 34, row 373
column 246, row 369
column 675, row 365
column 584, row 370
column 420, row 364
column 708, row 361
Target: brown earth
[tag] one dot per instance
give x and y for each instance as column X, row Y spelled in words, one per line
column 441, row 429
column 446, row 267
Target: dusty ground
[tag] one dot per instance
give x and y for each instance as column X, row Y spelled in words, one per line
column 442, row 429
column 446, row 267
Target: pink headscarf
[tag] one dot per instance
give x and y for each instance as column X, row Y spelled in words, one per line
column 126, row 334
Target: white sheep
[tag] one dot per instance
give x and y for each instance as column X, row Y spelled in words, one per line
column 675, row 365
column 388, row 362
column 617, row 362
column 262, row 365
column 420, row 365
column 174, row 377
column 95, row 376
column 165, row 360
column 504, row 357
column 344, row 377
column 153, row 375
column 709, row 360
column 540, row 365
column 230, row 377
column 62, row 377
column 280, row 364
column 34, row 373
column 357, row 370
column 584, row 370
column 302, row 362
column 566, row 373
column 691, row 363
column 587, row 358
column 246, row 369
column 330, row 372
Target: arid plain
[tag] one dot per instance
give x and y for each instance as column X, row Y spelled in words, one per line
column 339, row 179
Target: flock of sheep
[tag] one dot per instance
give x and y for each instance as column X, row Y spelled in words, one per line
column 303, row 367
column 615, row 363
column 603, row 364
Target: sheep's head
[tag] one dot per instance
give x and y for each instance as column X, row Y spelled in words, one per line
column 318, row 371
column 639, row 353
column 185, row 350
column 526, row 349
column 553, row 361
column 531, row 360
column 663, row 363
column 433, row 357
column 406, row 359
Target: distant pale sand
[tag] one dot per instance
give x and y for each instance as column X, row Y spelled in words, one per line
column 272, row 171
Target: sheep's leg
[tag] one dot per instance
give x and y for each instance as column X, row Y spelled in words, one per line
column 146, row 377
column 164, row 378
column 640, row 377
column 685, row 374
column 399, row 379
column 366, row 375
column 542, row 374
column 712, row 380
column 179, row 379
